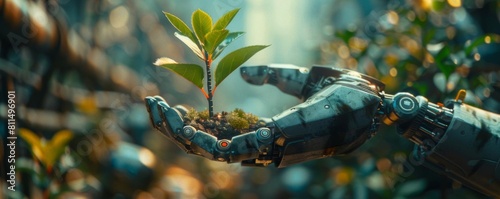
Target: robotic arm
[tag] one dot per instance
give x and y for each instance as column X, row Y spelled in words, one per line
column 343, row 109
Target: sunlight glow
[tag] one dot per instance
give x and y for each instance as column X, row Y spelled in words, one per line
column 487, row 39
column 455, row 3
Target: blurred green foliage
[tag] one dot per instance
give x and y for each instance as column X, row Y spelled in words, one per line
column 427, row 47
column 410, row 44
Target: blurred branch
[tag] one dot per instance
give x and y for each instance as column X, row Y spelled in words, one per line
column 25, row 23
column 21, row 75
column 104, row 99
column 43, row 119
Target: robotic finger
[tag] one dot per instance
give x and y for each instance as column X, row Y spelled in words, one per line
column 290, row 79
column 156, row 107
column 302, row 82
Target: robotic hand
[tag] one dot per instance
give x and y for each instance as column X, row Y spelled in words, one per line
column 342, row 109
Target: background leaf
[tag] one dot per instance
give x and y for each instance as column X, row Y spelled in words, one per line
column 181, row 26
column 202, row 24
column 445, row 65
column 189, row 43
column 233, row 60
column 50, row 152
column 427, row 37
column 34, row 141
column 345, row 35
column 191, row 72
column 55, row 148
column 225, row 19
column 479, row 41
column 214, row 38
column 230, row 38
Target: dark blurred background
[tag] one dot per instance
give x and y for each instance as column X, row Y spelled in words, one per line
column 86, row 66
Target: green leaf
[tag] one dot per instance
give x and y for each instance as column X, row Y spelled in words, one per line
column 438, row 5
column 230, row 38
column 202, row 24
column 345, row 35
column 479, row 41
column 446, row 68
column 428, row 36
column 445, row 65
column 189, row 43
column 181, row 26
column 421, row 88
column 55, row 147
column 214, row 38
column 225, row 19
column 443, row 53
column 191, row 72
column 233, row 60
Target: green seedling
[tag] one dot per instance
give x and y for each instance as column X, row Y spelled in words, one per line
column 208, row 41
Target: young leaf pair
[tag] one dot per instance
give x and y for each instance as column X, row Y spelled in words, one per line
column 47, row 152
column 208, row 41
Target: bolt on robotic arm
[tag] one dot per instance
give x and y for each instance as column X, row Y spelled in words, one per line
column 343, row 109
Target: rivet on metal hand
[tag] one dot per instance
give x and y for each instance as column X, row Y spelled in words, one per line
column 406, row 104
column 223, row 144
column 263, row 133
column 327, row 106
column 188, row 132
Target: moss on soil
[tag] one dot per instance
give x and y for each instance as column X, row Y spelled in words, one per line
column 223, row 125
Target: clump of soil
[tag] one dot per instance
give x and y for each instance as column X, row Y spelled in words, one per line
column 223, row 125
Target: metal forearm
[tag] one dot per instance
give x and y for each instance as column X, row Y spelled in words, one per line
column 469, row 150
column 457, row 140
